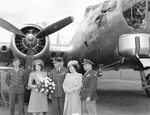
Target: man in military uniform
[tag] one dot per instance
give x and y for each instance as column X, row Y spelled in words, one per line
column 58, row 75
column 88, row 90
column 15, row 79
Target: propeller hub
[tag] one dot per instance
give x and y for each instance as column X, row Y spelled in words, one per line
column 30, row 37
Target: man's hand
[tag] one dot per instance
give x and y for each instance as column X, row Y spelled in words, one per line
column 28, row 88
column 88, row 99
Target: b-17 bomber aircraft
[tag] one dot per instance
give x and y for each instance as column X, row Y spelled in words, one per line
column 114, row 34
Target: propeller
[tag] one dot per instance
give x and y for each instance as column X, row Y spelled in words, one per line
column 44, row 32
column 8, row 26
column 28, row 68
column 55, row 27
column 29, row 59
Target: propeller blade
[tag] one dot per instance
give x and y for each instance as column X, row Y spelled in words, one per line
column 28, row 68
column 55, row 27
column 8, row 26
column 29, row 59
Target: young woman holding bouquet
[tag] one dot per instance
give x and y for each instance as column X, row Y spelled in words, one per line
column 38, row 103
column 72, row 86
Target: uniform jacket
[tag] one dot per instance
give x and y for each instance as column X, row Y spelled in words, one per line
column 16, row 81
column 89, row 86
column 58, row 78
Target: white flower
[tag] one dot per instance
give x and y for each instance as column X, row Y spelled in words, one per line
column 53, row 83
column 50, row 80
column 42, row 80
column 49, row 83
column 46, row 81
column 50, row 87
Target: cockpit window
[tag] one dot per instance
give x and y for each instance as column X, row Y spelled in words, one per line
column 112, row 5
column 105, row 5
column 135, row 14
column 90, row 9
column 109, row 6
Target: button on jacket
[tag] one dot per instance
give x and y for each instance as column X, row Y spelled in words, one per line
column 16, row 80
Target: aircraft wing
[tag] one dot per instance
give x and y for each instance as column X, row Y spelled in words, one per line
column 5, row 68
column 6, row 54
column 123, row 64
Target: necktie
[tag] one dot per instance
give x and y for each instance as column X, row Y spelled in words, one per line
column 58, row 70
column 16, row 69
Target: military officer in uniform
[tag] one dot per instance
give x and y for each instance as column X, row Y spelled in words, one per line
column 58, row 75
column 88, row 90
column 15, row 79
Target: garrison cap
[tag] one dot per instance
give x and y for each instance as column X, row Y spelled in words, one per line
column 87, row 61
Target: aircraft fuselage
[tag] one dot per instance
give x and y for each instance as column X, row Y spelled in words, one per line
column 97, row 36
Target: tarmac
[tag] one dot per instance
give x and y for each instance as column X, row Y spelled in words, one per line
column 115, row 97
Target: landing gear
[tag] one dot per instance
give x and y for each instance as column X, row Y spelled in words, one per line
column 99, row 73
column 145, row 82
column 147, row 89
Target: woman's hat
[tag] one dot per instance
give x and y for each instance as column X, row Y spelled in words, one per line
column 38, row 61
column 72, row 62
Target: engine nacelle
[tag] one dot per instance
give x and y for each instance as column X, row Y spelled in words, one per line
column 40, row 46
column 135, row 45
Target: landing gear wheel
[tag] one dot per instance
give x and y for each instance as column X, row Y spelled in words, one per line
column 147, row 90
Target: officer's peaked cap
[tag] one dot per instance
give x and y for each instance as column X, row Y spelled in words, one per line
column 87, row 61
column 57, row 59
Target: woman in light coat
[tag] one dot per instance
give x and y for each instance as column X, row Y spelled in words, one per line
column 72, row 86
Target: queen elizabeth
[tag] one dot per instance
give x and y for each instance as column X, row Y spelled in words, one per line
column 72, row 86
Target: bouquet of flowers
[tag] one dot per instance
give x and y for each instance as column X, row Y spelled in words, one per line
column 46, row 86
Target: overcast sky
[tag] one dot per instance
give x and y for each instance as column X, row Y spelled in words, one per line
column 20, row 12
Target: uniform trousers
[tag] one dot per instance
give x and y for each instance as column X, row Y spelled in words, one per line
column 57, row 105
column 20, row 100
column 88, row 108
